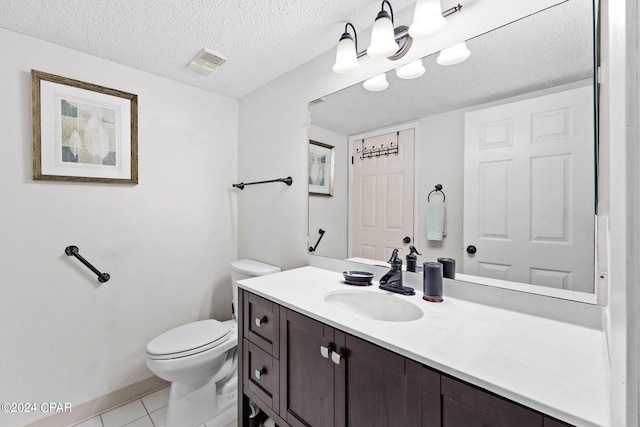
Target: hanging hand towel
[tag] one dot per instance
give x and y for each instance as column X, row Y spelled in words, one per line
column 436, row 222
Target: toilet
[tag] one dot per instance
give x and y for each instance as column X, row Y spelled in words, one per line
column 200, row 360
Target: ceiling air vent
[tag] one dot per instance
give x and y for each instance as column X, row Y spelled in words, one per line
column 205, row 62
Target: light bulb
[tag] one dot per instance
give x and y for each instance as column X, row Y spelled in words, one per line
column 427, row 18
column 383, row 41
column 454, row 54
column 377, row 83
column 411, row 70
column 346, row 56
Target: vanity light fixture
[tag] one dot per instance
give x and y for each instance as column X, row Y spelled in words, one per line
column 377, row 83
column 347, row 52
column 411, row 70
column 454, row 54
column 383, row 41
column 427, row 18
column 387, row 41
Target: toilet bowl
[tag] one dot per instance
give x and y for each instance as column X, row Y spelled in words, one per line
column 200, row 360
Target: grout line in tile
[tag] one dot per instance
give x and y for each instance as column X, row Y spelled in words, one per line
column 148, row 409
column 145, row 408
column 138, row 419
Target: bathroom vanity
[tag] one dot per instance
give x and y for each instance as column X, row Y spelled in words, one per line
column 309, row 357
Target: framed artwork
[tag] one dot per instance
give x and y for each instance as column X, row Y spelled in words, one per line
column 321, row 161
column 83, row 132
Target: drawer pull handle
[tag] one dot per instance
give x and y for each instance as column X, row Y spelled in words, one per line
column 260, row 321
column 324, row 351
column 336, row 357
column 259, row 372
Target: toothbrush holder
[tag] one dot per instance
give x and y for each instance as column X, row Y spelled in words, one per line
column 432, row 281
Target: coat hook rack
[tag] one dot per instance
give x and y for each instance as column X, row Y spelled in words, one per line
column 438, row 189
column 313, row 249
column 288, row 180
column 368, row 153
column 73, row 251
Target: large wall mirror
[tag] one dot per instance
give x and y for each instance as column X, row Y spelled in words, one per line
column 509, row 134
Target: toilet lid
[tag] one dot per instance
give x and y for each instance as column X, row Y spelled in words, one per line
column 188, row 339
column 253, row 268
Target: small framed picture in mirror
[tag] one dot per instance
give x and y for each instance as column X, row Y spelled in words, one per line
column 321, row 161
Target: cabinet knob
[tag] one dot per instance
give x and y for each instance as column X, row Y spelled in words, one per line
column 260, row 320
column 259, row 372
column 324, row 351
column 336, row 357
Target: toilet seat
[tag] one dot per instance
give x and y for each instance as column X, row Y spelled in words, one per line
column 187, row 340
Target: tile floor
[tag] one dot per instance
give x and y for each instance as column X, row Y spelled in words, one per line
column 148, row 411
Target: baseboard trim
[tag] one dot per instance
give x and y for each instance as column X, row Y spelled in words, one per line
column 90, row 409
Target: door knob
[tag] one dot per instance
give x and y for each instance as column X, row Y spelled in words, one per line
column 406, row 240
column 471, row 249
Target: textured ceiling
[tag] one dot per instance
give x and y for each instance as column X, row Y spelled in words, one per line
column 549, row 48
column 261, row 39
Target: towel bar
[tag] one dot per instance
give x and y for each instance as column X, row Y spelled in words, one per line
column 288, row 180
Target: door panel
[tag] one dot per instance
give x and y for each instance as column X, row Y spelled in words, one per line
column 465, row 405
column 306, row 383
column 529, row 191
column 382, row 387
column 382, row 196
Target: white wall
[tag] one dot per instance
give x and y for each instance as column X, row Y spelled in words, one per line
column 440, row 160
column 166, row 242
column 331, row 213
column 619, row 124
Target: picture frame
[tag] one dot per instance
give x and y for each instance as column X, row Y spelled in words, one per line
column 321, row 168
column 83, row 132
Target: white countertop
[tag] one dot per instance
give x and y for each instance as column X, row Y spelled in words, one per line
column 554, row 367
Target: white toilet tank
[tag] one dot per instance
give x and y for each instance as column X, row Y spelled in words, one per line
column 244, row 269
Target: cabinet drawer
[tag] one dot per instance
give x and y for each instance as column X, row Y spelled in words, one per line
column 261, row 323
column 466, row 405
column 261, row 374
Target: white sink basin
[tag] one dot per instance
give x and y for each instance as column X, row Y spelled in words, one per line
column 375, row 306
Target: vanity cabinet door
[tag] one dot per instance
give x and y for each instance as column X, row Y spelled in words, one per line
column 307, row 381
column 463, row 404
column 329, row 378
column 382, row 387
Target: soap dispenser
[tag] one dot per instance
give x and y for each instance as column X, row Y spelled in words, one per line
column 392, row 281
column 412, row 259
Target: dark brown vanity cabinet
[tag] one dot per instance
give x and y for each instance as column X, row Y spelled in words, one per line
column 303, row 373
column 464, row 405
column 259, row 367
column 308, row 377
column 329, row 378
column 448, row 402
